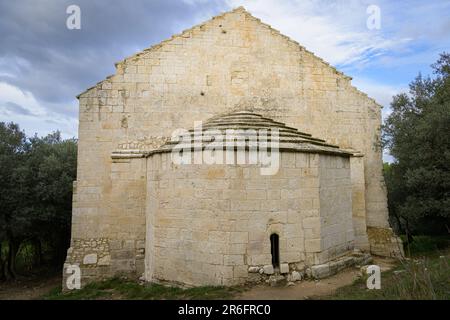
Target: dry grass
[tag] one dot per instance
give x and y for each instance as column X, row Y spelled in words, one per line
column 419, row 278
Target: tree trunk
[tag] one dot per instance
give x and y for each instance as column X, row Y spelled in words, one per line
column 408, row 233
column 394, row 214
column 37, row 252
column 409, row 237
column 2, row 264
column 12, row 253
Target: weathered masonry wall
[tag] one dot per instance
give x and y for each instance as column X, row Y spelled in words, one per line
column 122, row 248
column 359, row 203
column 337, row 232
column 210, row 225
column 230, row 62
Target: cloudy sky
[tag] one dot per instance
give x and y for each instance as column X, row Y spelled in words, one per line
column 43, row 65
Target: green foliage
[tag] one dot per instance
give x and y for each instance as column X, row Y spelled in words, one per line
column 425, row 278
column 118, row 288
column 12, row 145
column 36, row 192
column 425, row 244
column 417, row 135
column 46, row 178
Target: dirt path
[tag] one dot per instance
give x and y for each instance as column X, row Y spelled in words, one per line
column 28, row 289
column 307, row 289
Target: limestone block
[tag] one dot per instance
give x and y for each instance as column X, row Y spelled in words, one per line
column 320, row 271
column 253, row 269
column 115, row 244
column 122, row 254
column 90, row 259
column 238, row 248
column 268, row 269
column 296, row 276
column 276, row 280
column 256, row 194
column 363, row 259
column 284, row 268
column 293, row 216
column 312, row 233
column 288, row 160
column 233, row 259
column 239, row 237
column 293, row 256
column 104, row 261
column 123, row 265
column 140, row 244
column 240, row 272
column 301, row 160
column 311, row 222
column 273, row 194
column 255, row 277
column 348, row 261
column 313, row 245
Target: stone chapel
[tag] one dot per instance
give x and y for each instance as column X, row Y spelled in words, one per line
column 137, row 212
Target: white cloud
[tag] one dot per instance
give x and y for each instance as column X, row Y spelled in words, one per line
column 380, row 92
column 334, row 30
column 9, row 93
column 337, row 32
column 31, row 115
column 383, row 95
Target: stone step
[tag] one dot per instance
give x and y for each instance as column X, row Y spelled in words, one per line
column 288, row 138
column 282, row 131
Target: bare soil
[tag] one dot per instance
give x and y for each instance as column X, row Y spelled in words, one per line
column 309, row 289
column 36, row 287
column 28, row 288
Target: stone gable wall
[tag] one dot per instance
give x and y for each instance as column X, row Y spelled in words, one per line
column 230, row 62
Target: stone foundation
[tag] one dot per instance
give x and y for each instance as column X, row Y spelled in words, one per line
column 294, row 272
column 102, row 258
column 384, row 242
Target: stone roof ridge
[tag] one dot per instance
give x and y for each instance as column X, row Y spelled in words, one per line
column 161, row 43
column 302, row 48
column 184, row 32
column 249, row 124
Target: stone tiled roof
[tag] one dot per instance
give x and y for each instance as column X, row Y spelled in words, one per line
column 250, row 127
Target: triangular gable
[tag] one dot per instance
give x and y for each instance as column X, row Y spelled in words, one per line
column 190, row 33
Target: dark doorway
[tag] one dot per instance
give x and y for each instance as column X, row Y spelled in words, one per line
column 275, row 250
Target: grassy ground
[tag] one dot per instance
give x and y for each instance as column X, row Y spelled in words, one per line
column 425, row 275
column 119, row 288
